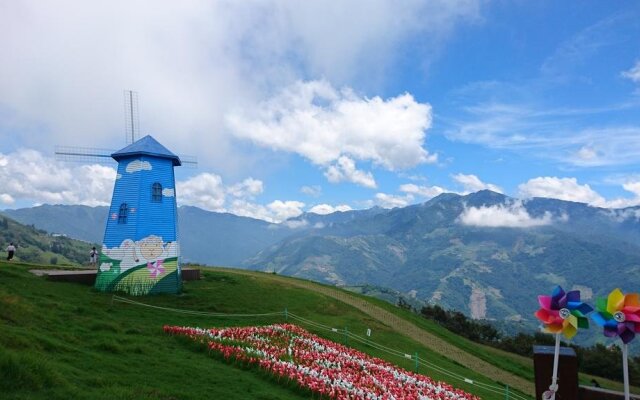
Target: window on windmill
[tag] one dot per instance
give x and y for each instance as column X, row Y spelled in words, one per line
column 124, row 212
column 156, row 192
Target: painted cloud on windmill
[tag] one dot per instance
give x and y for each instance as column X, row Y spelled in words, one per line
column 138, row 165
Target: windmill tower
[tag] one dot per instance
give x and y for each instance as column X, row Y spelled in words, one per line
column 140, row 252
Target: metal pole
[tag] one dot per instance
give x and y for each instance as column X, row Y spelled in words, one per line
column 131, row 107
column 286, row 315
column 346, row 335
column 416, row 362
column 506, row 392
column 625, row 371
column 554, row 380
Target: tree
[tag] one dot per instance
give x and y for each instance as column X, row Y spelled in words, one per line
column 402, row 303
column 56, row 247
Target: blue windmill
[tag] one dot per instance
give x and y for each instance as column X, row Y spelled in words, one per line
column 140, row 252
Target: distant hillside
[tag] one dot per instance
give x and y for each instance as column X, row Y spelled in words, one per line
column 427, row 253
column 224, row 239
column 424, row 252
column 37, row 246
column 78, row 222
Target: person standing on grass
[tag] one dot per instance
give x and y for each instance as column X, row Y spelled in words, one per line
column 93, row 254
column 11, row 250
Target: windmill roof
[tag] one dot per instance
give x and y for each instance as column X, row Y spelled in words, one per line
column 146, row 146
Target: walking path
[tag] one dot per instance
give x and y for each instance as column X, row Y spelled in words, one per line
column 406, row 328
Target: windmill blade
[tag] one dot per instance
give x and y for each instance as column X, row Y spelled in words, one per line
column 131, row 118
column 188, row 161
column 83, row 154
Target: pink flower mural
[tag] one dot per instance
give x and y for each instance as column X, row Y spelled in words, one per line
column 155, row 268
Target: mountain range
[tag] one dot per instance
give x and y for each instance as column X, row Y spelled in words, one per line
column 488, row 268
column 485, row 254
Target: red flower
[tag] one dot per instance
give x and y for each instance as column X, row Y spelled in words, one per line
column 323, row 367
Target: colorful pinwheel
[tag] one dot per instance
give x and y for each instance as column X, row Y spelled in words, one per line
column 619, row 314
column 563, row 312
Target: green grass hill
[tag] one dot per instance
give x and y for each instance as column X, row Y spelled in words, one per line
column 63, row 340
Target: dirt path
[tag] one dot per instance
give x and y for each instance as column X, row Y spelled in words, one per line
column 408, row 329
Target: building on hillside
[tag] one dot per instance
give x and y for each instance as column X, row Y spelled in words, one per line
column 140, row 252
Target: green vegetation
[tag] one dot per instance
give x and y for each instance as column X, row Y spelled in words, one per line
column 37, row 246
column 60, row 340
column 420, row 251
column 516, row 364
column 596, row 360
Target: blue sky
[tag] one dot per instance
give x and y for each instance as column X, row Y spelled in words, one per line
column 318, row 106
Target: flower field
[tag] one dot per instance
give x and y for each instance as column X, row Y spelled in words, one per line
column 325, row 368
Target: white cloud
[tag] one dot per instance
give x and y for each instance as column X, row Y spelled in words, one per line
column 207, row 191
column 632, row 186
column 560, row 188
column 567, row 189
column 503, row 215
column 385, row 200
column 313, row 191
column 283, row 210
column 333, row 128
column 28, row 176
column 570, row 190
column 138, row 165
column 324, row 209
column 587, row 154
column 622, row 215
column 472, row 183
column 296, row 223
column 561, row 135
column 616, row 145
column 634, row 73
column 411, row 191
column 204, row 190
column 7, row 199
column 422, row 191
column 344, row 170
column 247, row 188
column 208, row 56
column 276, row 211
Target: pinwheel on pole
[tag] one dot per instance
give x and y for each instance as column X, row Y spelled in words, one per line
column 619, row 315
column 561, row 313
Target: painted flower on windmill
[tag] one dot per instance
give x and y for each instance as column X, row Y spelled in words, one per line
column 155, row 268
column 619, row 315
column 563, row 312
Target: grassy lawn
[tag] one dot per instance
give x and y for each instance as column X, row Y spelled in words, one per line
column 60, row 340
